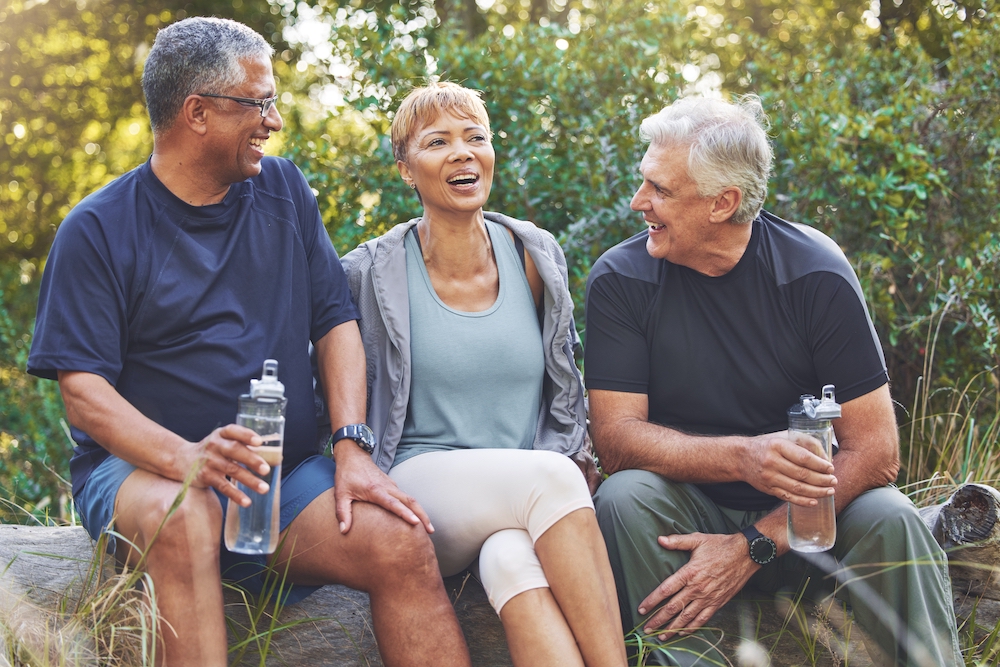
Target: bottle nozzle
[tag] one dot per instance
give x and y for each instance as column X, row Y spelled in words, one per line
column 268, row 385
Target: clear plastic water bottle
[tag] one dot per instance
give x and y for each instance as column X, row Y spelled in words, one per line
column 812, row 529
column 254, row 529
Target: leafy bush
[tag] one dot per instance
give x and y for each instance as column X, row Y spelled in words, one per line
column 34, row 450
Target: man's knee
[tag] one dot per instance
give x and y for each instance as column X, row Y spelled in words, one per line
column 394, row 547
column 888, row 521
column 617, row 494
column 187, row 524
column 634, row 497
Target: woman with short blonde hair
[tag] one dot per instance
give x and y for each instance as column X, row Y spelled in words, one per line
column 474, row 393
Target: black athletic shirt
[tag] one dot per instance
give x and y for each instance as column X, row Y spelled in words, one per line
column 729, row 355
column 178, row 306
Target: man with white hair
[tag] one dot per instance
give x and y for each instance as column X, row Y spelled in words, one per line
column 701, row 332
column 163, row 294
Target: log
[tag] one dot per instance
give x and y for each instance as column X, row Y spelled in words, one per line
column 45, row 569
column 966, row 527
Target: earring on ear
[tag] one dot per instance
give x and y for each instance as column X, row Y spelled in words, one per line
column 413, row 186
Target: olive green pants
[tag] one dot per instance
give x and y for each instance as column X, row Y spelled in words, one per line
column 888, row 568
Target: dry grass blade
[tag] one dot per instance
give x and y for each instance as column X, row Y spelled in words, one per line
column 111, row 625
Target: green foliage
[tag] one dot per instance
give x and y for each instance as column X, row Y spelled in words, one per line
column 34, row 451
column 71, row 105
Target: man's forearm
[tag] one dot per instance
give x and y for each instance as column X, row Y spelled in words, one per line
column 773, row 463
column 96, row 408
column 869, row 445
column 341, row 357
column 630, row 443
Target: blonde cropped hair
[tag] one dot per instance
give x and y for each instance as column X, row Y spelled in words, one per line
column 728, row 146
column 423, row 105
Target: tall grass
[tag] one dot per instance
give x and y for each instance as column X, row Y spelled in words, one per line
column 953, row 431
column 112, row 620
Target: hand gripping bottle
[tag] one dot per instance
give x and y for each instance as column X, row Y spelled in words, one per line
column 812, row 529
column 254, row 529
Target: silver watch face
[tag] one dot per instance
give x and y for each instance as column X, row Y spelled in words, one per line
column 366, row 438
column 359, row 433
column 762, row 550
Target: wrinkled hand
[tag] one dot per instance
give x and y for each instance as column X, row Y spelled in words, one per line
column 223, row 458
column 719, row 567
column 359, row 479
column 788, row 469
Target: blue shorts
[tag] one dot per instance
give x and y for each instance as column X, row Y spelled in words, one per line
column 299, row 487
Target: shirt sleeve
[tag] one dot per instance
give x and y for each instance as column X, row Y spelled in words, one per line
column 845, row 347
column 82, row 320
column 616, row 354
column 330, row 294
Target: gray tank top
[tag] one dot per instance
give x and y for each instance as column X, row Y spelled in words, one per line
column 476, row 379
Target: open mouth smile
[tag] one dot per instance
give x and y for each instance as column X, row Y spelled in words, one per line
column 464, row 178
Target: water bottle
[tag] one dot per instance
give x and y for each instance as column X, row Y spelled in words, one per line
column 254, row 529
column 812, row 529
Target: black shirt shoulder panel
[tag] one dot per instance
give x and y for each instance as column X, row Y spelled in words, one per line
column 621, row 292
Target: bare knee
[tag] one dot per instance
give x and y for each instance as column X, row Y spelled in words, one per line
column 184, row 530
column 395, row 550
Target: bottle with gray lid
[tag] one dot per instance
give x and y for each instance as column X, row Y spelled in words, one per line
column 812, row 529
column 254, row 529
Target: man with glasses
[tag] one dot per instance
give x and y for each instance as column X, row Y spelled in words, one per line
column 163, row 294
column 264, row 105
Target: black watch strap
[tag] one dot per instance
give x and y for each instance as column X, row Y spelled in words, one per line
column 762, row 548
column 359, row 433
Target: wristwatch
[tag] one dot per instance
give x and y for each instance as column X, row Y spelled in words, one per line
column 359, row 433
column 762, row 548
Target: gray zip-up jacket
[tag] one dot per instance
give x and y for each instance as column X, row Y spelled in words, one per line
column 376, row 272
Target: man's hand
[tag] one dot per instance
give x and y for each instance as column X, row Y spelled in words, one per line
column 787, row 468
column 220, row 455
column 719, row 567
column 358, row 478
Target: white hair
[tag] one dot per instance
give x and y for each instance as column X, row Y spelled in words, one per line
column 728, row 146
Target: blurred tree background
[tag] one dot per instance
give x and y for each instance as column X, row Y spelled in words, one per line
column 884, row 118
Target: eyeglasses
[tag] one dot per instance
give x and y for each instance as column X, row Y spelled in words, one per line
column 264, row 105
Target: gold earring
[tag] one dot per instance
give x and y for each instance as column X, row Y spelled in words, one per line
column 413, row 186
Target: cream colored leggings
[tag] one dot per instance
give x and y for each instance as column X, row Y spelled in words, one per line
column 493, row 503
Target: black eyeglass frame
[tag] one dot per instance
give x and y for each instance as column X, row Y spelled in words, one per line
column 264, row 105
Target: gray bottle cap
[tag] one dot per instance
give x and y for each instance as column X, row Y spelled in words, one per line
column 267, row 386
column 813, row 408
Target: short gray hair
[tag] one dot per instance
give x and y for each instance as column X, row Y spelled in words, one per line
column 196, row 55
column 728, row 146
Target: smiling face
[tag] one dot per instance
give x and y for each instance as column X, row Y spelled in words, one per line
column 239, row 136
column 450, row 161
column 679, row 219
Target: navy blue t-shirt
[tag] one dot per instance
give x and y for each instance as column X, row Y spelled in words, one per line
column 729, row 355
column 178, row 306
